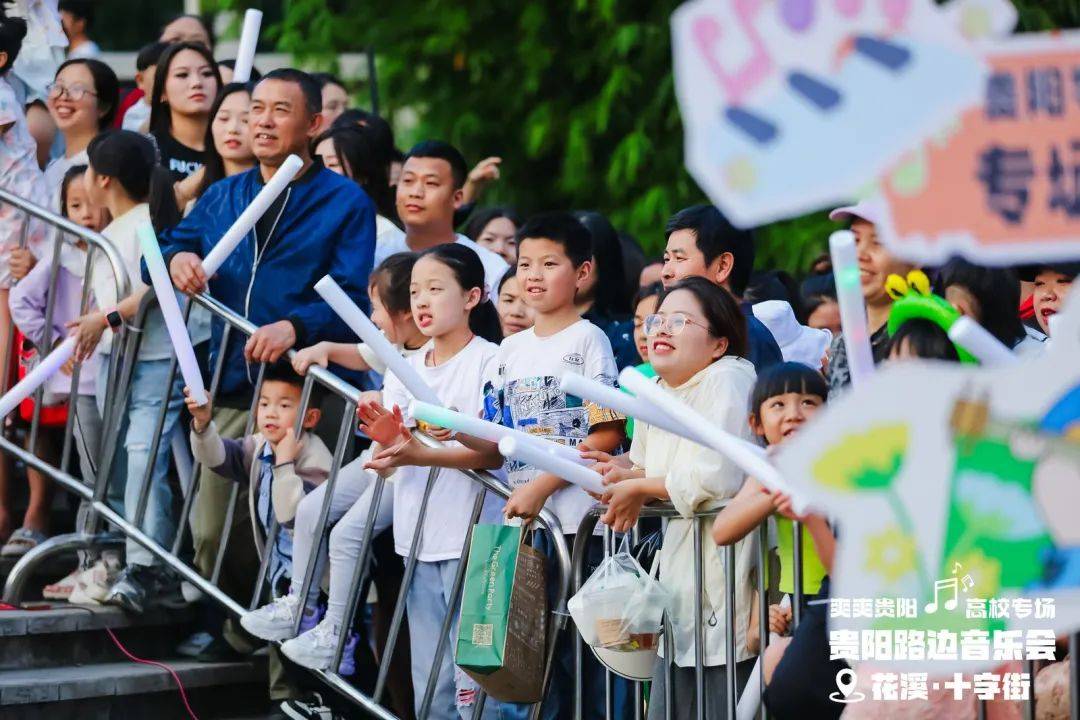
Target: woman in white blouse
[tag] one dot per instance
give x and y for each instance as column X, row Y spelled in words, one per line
column 696, row 342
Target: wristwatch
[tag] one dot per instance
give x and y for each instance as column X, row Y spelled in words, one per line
column 114, row 319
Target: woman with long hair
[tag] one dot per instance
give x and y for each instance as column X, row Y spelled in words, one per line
column 185, row 85
column 603, row 300
column 228, row 147
column 353, row 151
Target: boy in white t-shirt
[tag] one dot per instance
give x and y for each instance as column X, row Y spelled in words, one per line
column 554, row 260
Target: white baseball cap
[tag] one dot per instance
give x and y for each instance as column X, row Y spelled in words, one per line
column 869, row 210
column 798, row 343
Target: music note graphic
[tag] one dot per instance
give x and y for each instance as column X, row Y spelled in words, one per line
column 967, row 582
column 950, row 604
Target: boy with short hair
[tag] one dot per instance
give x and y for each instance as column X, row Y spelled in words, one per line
column 137, row 114
column 429, row 191
column 279, row 468
column 701, row 241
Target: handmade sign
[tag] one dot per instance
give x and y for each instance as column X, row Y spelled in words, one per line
column 955, row 490
column 792, row 106
column 262, row 202
column 1000, row 185
column 360, row 324
column 245, row 53
column 170, row 310
column 34, row 379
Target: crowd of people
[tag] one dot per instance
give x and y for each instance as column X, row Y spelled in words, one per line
column 489, row 306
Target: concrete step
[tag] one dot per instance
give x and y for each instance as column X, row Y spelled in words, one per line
column 47, row 635
column 115, row 690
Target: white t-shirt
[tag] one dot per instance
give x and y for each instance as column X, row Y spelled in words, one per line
column 525, row 395
column 1034, row 343
column 494, row 266
column 459, row 383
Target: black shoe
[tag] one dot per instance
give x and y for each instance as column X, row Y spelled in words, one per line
column 129, row 590
column 167, row 592
column 310, row 707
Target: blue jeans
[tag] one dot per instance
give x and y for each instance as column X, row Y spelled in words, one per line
column 427, row 603
column 134, row 438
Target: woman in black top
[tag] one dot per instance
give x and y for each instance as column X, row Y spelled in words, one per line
column 185, row 85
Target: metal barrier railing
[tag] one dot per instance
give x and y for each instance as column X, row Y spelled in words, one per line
column 118, row 391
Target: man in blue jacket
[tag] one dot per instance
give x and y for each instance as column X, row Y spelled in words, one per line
column 322, row 224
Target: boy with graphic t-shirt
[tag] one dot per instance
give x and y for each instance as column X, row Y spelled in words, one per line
column 554, row 260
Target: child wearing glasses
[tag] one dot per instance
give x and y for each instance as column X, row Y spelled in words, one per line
column 697, row 344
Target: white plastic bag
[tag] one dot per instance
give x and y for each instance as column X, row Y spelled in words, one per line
column 620, row 607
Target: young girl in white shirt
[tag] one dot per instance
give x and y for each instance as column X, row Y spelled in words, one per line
column 449, row 306
column 391, row 311
column 697, row 340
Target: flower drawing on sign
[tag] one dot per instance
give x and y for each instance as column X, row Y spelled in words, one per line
column 891, row 554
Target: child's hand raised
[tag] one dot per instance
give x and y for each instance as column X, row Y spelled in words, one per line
column 287, row 448
column 381, row 425
column 200, row 414
column 318, row 354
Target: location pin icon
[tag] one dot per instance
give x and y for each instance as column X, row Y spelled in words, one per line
column 845, row 681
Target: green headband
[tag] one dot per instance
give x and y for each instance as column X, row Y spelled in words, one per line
column 912, row 300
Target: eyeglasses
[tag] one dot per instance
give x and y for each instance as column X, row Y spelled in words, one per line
column 74, row 92
column 672, row 324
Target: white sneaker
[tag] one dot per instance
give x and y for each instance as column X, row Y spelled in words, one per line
column 273, row 621
column 96, row 581
column 315, row 648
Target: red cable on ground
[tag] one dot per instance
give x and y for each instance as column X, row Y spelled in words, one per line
column 163, row 666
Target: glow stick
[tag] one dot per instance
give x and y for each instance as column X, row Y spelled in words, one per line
column 454, row 420
column 609, row 397
column 48, row 367
column 245, row 53
column 750, row 458
column 527, row 452
column 170, row 309
column 974, row 338
column 360, row 324
column 849, row 295
column 251, row 214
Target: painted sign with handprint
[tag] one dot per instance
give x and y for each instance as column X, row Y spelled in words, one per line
column 792, row 105
column 955, row 487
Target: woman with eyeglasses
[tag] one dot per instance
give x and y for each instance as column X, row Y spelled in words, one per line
column 82, row 101
column 697, row 345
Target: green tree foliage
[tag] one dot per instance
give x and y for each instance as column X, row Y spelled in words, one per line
column 577, row 96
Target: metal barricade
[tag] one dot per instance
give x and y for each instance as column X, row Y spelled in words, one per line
column 66, row 233
column 124, row 358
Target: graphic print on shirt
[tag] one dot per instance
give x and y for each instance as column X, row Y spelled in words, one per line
column 538, row 406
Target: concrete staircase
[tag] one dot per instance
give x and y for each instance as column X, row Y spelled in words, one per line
column 58, row 662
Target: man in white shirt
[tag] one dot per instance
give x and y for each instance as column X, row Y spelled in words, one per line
column 428, row 192
column 77, row 16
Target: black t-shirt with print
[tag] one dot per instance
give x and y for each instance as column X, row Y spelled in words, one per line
column 180, row 160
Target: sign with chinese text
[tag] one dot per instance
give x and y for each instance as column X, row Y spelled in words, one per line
column 955, row 490
column 1002, row 185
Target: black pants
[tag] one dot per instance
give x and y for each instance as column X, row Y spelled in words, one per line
column 804, row 678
